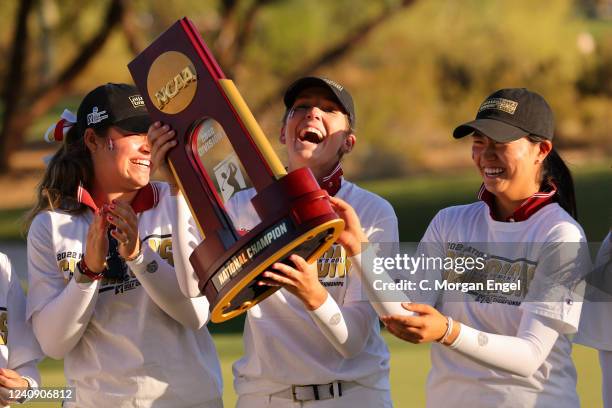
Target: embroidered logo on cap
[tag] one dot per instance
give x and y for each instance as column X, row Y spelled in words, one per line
column 136, row 100
column 95, row 116
column 334, row 84
column 500, row 104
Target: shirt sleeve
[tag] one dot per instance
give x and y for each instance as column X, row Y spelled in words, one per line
column 595, row 330
column 159, row 280
column 557, row 288
column 348, row 326
column 59, row 312
column 378, row 278
column 24, row 351
column 533, row 342
column 187, row 238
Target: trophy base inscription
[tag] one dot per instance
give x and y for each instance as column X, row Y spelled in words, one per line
column 245, row 292
column 300, row 220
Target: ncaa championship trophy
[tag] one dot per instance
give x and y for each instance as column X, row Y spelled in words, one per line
column 221, row 150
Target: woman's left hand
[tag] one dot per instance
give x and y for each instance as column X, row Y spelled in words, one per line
column 161, row 139
column 301, row 280
column 10, row 380
column 429, row 325
column 123, row 217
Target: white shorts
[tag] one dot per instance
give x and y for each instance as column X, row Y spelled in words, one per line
column 356, row 397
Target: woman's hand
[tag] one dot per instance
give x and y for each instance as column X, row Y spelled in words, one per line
column 430, row 325
column 161, row 139
column 301, row 280
column 352, row 237
column 96, row 246
column 10, row 380
column 123, row 217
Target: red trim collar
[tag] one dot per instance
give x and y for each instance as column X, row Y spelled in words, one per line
column 145, row 199
column 529, row 207
column 333, row 181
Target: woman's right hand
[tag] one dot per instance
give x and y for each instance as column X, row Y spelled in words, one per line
column 161, row 139
column 352, row 237
column 96, row 247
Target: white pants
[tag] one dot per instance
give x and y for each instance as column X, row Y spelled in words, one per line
column 358, row 397
column 605, row 360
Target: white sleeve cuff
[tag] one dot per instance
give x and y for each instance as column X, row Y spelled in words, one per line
column 328, row 314
column 528, row 349
column 146, row 257
column 138, row 262
column 31, row 385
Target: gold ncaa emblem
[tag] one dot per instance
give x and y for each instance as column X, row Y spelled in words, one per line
column 171, row 82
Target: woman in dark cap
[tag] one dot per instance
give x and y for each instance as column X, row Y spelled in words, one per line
column 103, row 294
column 502, row 325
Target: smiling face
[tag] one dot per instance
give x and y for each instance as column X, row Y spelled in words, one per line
column 511, row 171
column 121, row 160
column 316, row 132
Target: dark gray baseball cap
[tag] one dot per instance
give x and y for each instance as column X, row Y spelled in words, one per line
column 510, row 114
column 342, row 95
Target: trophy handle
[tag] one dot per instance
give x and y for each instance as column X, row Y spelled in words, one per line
column 252, row 127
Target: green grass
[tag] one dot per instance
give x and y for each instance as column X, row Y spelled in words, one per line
column 409, row 368
column 11, row 223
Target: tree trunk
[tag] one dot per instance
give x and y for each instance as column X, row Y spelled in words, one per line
column 21, row 110
column 14, row 83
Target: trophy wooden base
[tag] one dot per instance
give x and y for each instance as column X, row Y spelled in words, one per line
column 300, row 220
column 245, row 292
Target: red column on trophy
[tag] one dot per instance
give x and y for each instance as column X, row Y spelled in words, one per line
column 222, row 150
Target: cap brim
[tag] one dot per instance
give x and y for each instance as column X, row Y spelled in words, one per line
column 137, row 124
column 495, row 129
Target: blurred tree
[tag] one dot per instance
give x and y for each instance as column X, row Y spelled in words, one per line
column 228, row 26
column 23, row 102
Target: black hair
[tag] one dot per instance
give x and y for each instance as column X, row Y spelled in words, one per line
column 554, row 169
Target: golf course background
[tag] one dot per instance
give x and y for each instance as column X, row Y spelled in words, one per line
column 416, row 201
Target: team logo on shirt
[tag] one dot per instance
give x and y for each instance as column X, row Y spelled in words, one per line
column 332, row 266
column 516, row 273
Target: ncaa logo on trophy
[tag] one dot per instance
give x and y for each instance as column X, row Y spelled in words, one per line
column 221, row 150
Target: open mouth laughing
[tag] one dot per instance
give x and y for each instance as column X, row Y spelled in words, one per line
column 311, row 134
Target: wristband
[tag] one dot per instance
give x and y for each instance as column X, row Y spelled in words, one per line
column 84, row 269
column 449, row 330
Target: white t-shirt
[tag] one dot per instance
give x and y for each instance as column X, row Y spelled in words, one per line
column 595, row 328
column 128, row 351
column 282, row 343
column 550, row 273
column 19, row 350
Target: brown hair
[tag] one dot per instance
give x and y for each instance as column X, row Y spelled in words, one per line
column 70, row 166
